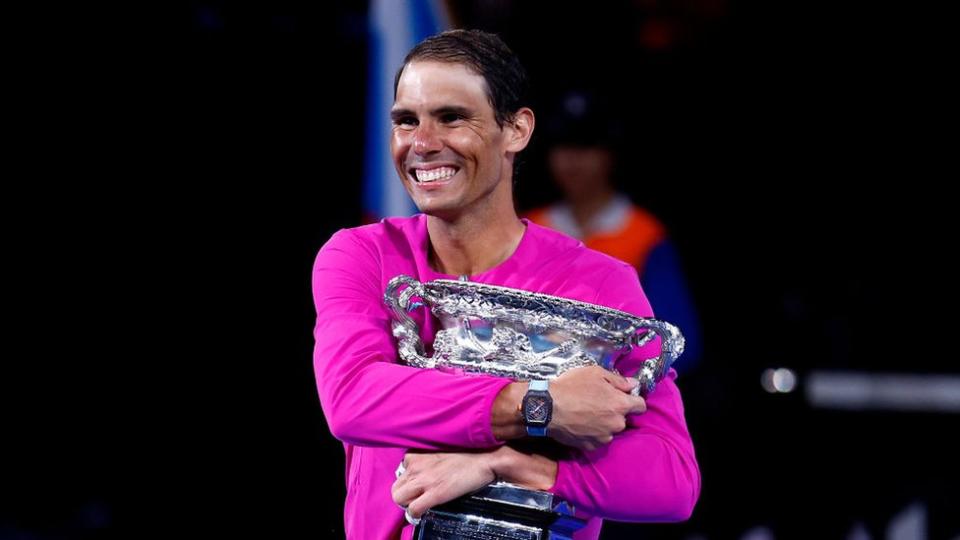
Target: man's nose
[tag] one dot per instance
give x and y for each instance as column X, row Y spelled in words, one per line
column 426, row 139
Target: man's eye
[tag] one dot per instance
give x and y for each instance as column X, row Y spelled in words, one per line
column 405, row 121
column 450, row 117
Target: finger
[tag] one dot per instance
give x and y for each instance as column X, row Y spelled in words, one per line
column 410, row 519
column 624, row 384
column 638, row 405
column 400, row 482
column 589, row 445
column 406, row 493
column 424, row 502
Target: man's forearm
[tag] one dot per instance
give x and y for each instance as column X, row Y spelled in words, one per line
column 528, row 470
column 505, row 419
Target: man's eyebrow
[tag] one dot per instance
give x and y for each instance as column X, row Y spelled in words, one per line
column 396, row 114
column 451, row 109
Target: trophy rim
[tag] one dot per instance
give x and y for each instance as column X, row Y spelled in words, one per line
column 494, row 303
column 634, row 320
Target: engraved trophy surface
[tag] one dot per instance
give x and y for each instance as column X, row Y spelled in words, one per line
column 524, row 336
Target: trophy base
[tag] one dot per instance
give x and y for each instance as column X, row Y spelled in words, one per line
column 500, row 512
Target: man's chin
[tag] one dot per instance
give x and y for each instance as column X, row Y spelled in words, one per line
column 439, row 212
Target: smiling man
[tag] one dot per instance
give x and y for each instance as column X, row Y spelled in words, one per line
column 455, row 154
column 459, row 120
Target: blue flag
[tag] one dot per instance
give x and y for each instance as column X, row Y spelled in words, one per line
column 395, row 27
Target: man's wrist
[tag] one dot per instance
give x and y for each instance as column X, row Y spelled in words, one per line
column 499, row 462
column 528, row 470
column 506, row 419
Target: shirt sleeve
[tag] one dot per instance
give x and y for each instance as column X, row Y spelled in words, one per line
column 649, row 471
column 367, row 397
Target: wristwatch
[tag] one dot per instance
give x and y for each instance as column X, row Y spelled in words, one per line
column 537, row 408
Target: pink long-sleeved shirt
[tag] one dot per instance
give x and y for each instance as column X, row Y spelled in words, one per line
column 379, row 408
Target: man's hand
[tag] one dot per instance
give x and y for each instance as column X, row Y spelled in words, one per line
column 590, row 405
column 432, row 479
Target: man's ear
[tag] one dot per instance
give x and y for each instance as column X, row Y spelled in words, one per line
column 520, row 130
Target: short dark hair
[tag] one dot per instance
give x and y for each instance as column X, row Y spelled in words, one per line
column 487, row 55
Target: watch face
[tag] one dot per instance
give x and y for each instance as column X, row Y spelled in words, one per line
column 536, row 410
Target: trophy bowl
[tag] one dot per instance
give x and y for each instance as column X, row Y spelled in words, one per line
column 521, row 334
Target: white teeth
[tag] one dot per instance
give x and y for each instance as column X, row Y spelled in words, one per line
column 432, row 175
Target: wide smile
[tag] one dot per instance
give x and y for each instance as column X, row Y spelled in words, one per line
column 433, row 177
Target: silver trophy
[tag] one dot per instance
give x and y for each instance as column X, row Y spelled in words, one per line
column 524, row 336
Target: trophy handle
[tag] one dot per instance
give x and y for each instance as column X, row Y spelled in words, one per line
column 405, row 329
column 654, row 369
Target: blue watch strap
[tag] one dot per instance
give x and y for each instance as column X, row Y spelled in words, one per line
column 537, row 431
column 543, row 385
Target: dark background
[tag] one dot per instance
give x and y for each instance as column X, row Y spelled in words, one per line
column 189, row 173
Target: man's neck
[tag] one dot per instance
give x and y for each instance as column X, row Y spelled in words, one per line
column 475, row 244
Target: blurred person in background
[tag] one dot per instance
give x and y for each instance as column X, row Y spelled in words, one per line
column 582, row 140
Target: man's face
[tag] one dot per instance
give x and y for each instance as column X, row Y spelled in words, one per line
column 446, row 144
